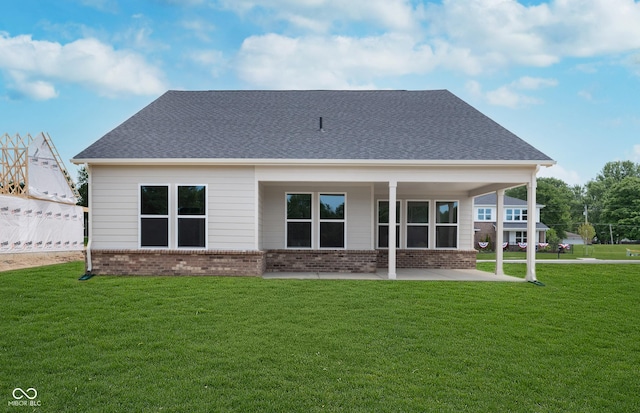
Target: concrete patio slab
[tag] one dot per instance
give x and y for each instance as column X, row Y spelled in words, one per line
column 404, row 274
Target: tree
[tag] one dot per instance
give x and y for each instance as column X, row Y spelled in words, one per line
column 598, row 192
column 83, row 187
column 622, row 208
column 559, row 200
column 587, row 232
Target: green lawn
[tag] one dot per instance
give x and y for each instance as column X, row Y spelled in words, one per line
column 209, row 344
column 599, row 251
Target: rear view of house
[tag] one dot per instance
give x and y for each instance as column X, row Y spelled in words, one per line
column 243, row 182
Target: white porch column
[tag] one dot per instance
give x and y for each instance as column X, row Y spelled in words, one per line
column 392, row 230
column 499, row 231
column 531, row 228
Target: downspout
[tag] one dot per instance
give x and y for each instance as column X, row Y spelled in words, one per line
column 90, row 205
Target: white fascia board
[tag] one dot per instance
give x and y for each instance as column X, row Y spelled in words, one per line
column 297, row 162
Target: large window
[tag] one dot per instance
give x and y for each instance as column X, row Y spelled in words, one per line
column 447, row 224
column 383, row 224
column 332, row 220
column 154, row 216
column 188, row 216
column 417, row 224
column 299, row 220
column 192, row 210
column 516, row 214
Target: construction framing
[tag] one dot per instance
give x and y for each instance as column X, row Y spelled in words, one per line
column 14, row 157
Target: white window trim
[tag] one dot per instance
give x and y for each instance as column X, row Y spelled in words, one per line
column 319, row 220
column 378, row 224
column 206, row 216
column 485, row 209
column 407, row 224
column 522, row 217
column 436, row 225
column 287, row 220
column 168, row 216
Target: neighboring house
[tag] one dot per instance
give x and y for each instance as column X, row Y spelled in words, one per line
column 515, row 217
column 573, row 239
column 242, row 182
column 38, row 211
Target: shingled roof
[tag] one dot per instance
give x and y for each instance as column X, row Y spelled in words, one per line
column 358, row 125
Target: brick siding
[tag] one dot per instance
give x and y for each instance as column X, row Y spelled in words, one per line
column 172, row 262
column 255, row 263
column 444, row 259
column 354, row 261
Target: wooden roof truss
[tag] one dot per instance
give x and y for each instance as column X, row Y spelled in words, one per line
column 14, row 164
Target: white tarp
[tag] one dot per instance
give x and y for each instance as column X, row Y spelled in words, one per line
column 32, row 225
column 46, row 179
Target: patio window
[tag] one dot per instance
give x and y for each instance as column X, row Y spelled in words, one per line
column 417, row 224
column 383, row 224
column 516, row 214
column 332, row 220
column 191, row 214
column 299, row 220
column 447, row 224
column 154, row 216
column 484, row 214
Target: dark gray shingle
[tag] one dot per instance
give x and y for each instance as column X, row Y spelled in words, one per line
column 382, row 125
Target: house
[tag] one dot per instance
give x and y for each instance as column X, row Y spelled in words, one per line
column 243, row 182
column 514, row 225
column 38, row 211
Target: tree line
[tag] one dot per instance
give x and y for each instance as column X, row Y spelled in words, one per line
column 605, row 210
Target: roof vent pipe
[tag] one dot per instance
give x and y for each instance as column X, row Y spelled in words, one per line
column 321, row 130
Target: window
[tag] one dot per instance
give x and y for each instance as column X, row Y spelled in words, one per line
column 299, row 220
column 447, row 224
column 332, row 221
column 516, row 214
column 383, row 224
column 191, row 214
column 417, row 224
column 484, row 214
column 521, row 236
column 154, row 216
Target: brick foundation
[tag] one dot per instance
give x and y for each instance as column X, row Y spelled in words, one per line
column 172, row 262
column 445, row 259
column 354, row 261
column 255, row 263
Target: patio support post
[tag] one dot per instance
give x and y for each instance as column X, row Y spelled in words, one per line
column 499, row 231
column 531, row 228
column 392, row 230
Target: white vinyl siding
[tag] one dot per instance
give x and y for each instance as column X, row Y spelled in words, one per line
column 358, row 213
column 230, row 201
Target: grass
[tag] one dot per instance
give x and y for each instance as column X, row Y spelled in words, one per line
column 205, row 344
column 599, row 251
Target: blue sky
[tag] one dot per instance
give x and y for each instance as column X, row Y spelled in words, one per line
column 563, row 74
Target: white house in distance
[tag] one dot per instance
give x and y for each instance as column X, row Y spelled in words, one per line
column 515, row 225
column 243, row 182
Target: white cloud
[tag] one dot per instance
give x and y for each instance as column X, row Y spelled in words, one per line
column 557, row 171
column 281, row 62
column 36, row 66
column 504, row 32
column 510, row 95
column 319, row 15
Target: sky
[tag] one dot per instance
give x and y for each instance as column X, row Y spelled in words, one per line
column 564, row 75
